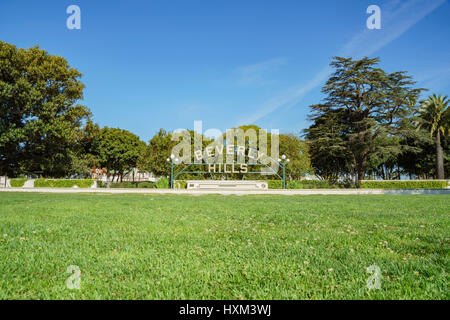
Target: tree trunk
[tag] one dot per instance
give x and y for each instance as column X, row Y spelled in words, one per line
column 361, row 169
column 439, row 157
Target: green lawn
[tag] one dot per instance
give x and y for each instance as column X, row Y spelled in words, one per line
column 223, row 247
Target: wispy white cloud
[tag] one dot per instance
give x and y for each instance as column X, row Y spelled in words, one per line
column 435, row 80
column 289, row 98
column 397, row 18
column 259, row 73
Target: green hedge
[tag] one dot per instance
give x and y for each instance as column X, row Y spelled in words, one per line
column 404, row 184
column 17, row 182
column 278, row 184
column 127, row 184
column 63, row 183
column 180, row 184
column 275, row 184
column 313, row 184
column 162, row 183
column 294, row 184
column 392, row 184
column 145, row 185
column 123, row 185
column 303, row 184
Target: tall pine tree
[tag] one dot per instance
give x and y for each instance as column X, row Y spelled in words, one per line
column 362, row 103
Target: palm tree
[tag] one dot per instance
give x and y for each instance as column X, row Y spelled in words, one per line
column 434, row 115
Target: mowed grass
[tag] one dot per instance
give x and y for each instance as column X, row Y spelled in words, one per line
column 223, row 247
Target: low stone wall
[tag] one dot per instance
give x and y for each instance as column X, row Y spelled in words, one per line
column 226, row 185
column 4, row 182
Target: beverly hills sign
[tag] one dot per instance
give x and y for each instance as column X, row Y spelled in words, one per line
column 227, row 168
column 230, row 152
column 240, row 152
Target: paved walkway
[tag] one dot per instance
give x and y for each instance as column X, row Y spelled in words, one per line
column 231, row 192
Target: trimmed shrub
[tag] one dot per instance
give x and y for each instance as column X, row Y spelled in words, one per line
column 63, row 183
column 162, row 183
column 318, row 184
column 305, row 184
column 125, row 184
column 146, row 184
column 180, row 184
column 18, row 182
column 404, row 184
column 275, row 184
column 295, row 184
column 101, row 184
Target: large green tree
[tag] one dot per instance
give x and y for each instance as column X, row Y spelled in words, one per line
column 419, row 159
column 362, row 103
column 297, row 151
column 155, row 155
column 118, row 150
column 85, row 157
column 326, row 145
column 434, row 115
column 39, row 115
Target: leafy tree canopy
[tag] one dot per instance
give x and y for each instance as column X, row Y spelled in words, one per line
column 362, row 103
column 39, row 116
column 118, row 150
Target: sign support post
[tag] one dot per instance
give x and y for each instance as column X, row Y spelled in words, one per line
column 283, row 161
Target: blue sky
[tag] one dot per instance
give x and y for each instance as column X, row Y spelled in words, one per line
column 163, row 64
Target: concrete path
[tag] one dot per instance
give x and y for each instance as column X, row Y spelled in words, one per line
column 231, row 192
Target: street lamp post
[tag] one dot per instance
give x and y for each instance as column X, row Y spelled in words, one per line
column 170, row 160
column 283, row 161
